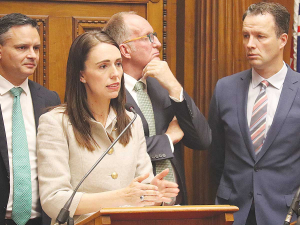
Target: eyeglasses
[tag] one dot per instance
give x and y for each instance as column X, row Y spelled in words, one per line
column 150, row 36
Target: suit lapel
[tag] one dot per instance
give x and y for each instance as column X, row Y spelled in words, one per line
column 156, row 92
column 286, row 100
column 3, row 143
column 242, row 99
column 130, row 100
column 38, row 101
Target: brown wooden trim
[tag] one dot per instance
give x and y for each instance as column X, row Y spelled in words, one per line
column 100, row 1
column 41, row 74
column 164, row 42
column 83, row 24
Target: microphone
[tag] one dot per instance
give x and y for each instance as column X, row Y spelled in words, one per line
column 129, row 107
column 64, row 213
column 292, row 208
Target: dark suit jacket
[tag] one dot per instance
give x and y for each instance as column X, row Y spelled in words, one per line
column 197, row 134
column 41, row 99
column 272, row 177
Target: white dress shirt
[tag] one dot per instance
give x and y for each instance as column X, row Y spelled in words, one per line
column 6, row 102
column 273, row 93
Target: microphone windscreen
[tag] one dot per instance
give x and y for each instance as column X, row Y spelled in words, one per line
column 129, row 107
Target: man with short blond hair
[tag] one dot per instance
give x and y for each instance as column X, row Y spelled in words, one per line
column 170, row 117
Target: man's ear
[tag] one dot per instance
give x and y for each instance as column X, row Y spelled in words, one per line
column 0, row 51
column 82, row 79
column 125, row 51
column 283, row 38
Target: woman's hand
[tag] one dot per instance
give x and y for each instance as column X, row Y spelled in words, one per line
column 133, row 193
column 166, row 188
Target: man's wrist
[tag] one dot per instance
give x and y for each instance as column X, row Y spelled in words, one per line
column 180, row 99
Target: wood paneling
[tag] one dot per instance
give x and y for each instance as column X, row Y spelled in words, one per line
column 62, row 20
column 213, row 49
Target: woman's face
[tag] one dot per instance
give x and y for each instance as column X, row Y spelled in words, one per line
column 103, row 72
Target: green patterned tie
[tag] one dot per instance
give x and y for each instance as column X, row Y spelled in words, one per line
column 22, row 197
column 147, row 110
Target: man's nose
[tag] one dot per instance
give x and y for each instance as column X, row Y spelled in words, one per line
column 156, row 43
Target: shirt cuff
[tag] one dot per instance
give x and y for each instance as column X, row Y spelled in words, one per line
column 181, row 97
column 171, row 143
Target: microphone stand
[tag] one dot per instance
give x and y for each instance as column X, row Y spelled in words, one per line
column 295, row 207
column 298, row 214
column 64, row 214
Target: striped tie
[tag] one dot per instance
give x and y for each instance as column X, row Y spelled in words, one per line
column 258, row 119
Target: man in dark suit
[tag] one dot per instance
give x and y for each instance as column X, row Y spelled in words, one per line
column 19, row 56
column 176, row 120
column 255, row 121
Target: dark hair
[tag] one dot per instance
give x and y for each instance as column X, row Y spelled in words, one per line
column 278, row 11
column 76, row 98
column 14, row 19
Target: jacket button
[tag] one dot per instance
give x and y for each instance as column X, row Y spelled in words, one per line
column 114, row 175
column 250, row 194
column 110, row 151
column 256, row 168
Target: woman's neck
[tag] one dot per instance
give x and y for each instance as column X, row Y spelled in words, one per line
column 100, row 110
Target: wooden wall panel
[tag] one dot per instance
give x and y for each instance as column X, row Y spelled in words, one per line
column 214, row 50
column 60, row 41
column 66, row 19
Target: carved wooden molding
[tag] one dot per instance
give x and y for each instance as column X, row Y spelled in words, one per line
column 100, row 1
column 164, row 44
column 155, row 1
column 41, row 74
column 83, row 24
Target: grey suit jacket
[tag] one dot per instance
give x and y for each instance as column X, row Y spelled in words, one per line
column 41, row 99
column 271, row 178
column 197, row 134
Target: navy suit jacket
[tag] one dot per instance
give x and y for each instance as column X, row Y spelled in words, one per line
column 197, row 134
column 41, row 99
column 271, row 178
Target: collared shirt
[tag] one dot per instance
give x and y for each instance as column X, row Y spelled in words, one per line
column 130, row 83
column 110, row 121
column 6, row 102
column 273, row 92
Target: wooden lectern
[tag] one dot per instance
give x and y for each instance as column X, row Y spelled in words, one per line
column 164, row 215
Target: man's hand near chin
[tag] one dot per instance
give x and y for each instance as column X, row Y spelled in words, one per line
column 160, row 70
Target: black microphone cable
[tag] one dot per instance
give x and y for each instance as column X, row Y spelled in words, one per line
column 293, row 208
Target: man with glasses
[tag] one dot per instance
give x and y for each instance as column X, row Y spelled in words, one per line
column 170, row 117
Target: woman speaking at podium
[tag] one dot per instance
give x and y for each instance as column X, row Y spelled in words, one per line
column 73, row 136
